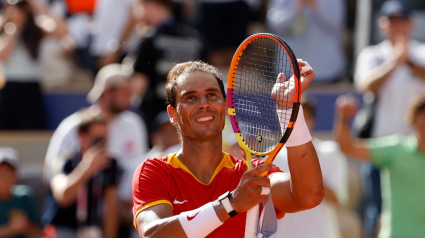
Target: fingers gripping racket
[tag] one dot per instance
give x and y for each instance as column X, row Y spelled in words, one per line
column 263, row 82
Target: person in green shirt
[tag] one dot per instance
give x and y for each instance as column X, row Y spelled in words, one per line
column 402, row 162
column 18, row 212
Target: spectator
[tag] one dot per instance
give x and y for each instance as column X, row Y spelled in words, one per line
column 25, row 26
column 313, row 29
column 83, row 198
column 321, row 221
column 393, row 70
column 111, row 95
column 112, row 42
column 223, row 29
column 401, row 159
column 165, row 140
column 393, row 73
column 18, row 213
column 171, row 43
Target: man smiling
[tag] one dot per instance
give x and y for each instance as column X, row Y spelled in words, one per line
column 216, row 186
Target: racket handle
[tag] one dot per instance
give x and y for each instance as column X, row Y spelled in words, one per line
column 252, row 222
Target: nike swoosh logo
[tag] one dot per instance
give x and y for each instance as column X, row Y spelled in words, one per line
column 178, row 202
column 191, row 218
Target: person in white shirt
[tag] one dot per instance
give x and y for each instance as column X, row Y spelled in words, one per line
column 111, row 95
column 321, row 221
column 392, row 72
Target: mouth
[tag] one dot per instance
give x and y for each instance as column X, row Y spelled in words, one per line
column 205, row 119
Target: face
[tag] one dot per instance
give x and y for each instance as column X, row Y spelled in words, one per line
column 119, row 97
column 97, row 134
column 200, row 107
column 419, row 122
column 393, row 26
column 8, row 178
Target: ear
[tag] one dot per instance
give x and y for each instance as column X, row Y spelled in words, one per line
column 226, row 113
column 172, row 114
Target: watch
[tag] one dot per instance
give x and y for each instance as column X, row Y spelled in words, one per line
column 225, row 201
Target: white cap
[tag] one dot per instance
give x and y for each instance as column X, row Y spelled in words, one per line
column 10, row 156
column 108, row 77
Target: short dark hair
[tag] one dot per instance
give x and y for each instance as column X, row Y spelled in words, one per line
column 418, row 105
column 185, row 68
column 89, row 119
column 309, row 103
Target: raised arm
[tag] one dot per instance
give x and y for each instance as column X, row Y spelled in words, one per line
column 303, row 188
column 65, row 187
column 346, row 107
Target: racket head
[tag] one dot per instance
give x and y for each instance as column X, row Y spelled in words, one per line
column 252, row 109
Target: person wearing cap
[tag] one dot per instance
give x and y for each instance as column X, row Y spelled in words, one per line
column 18, row 213
column 111, row 95
column 392, row 72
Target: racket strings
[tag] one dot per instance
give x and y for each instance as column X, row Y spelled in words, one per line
column 258, row 69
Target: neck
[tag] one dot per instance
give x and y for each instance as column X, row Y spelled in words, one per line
column 201, row 158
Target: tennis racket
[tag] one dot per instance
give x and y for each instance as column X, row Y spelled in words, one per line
column 264, row 71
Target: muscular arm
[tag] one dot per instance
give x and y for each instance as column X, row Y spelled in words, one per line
column 158, row 221
column 303, row 188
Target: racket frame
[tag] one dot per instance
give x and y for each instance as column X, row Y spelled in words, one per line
column 246, row 150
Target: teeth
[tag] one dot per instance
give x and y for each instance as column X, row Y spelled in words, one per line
column 205, row 119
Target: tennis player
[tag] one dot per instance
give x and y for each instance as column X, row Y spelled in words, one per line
column 203, row 192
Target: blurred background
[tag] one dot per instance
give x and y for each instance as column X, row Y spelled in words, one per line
column 52, row 50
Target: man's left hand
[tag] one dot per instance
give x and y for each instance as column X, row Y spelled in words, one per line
column 283, row 90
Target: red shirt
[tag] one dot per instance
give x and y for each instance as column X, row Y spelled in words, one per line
column 167, row 180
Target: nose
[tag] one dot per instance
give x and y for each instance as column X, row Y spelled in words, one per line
column 203, row 103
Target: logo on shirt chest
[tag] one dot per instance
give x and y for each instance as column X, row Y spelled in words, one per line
column 178, row 202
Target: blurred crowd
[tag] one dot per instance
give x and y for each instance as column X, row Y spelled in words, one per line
column 122, row 51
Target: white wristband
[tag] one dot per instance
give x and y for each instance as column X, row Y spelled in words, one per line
column 300, row 134
column 200, row 222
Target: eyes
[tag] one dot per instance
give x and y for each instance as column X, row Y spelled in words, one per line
column 194, row 97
